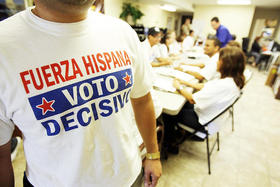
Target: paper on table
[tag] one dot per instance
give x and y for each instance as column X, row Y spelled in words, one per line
column 164, row 83
column 173, row 73
column 190, row 68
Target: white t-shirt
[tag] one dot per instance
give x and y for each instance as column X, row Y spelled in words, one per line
column 175, row 48
column 214, row 97
column 163, row 51
column 209, row 71
column 156, row 52
column 148, row 53
column 188, row 43
column 67, row 86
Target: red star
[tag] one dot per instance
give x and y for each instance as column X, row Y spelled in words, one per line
column 127, row 79
column 46, row 106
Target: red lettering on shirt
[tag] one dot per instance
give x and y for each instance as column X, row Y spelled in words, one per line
column 99, row 59
column 46, row 76
column 121, row 59
column 66, row 64
column 76, row 69
column 95, row 63
column 107, row 59
column 41, row 84
column 127, row 59
column 56, row 69
column 56, row 73
column 24, row 81
column 115, row 60
column 88, row 64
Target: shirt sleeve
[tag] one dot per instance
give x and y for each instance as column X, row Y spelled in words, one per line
column 6, row 125
column 209, row 71
column 163, row 51
column 142, row 72
column 223, row 36
column 207, row 96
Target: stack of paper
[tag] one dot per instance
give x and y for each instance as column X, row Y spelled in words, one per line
column 164, row 83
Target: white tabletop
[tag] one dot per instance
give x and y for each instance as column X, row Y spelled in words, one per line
column 171, row 103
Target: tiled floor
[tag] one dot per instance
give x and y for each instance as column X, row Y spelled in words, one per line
column 249, row 156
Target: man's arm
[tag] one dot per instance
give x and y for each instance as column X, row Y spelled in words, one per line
column 6, row 168
column 184, row 92
column 145, row 118
column 158, row 64
column 200, row 65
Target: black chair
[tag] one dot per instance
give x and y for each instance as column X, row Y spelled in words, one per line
column 209, row 150
column 245, row 44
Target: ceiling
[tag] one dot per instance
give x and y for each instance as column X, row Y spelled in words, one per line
column 187, row 5
column 261, row 3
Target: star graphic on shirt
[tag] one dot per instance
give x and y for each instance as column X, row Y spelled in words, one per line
column 127, row 79
column 46, row 106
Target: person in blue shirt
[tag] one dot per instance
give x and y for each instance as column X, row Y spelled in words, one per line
column 222, row 33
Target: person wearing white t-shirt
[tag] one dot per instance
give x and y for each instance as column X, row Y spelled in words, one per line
column 153, row 40
column 216, row 95
column 66, row 81
column 174, row 48
column 167, row 41
column 188, row 42
column 209, row 69
column 148, row 54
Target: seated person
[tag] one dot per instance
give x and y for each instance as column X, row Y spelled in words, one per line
column 175, row 48
column 168, row 47
column 213, row 97
column 216, row 95
column 209, row 69
column 153, row 38
column 152, row 42
column 256, row 50
column 180, row 40
column 166, row 42
column 188, row 42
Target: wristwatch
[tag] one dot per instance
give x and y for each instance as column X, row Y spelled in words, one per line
column 153, row 156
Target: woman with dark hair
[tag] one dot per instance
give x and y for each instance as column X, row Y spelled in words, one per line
column 166, row 41
column 211, row 98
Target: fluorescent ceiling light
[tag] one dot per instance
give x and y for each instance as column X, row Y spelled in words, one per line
column 234, row 2
column 169, row 8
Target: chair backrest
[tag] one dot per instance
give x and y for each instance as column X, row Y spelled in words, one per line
column 245, row 44
column 225, row 110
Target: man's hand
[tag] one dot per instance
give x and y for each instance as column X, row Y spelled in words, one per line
column 145, row 117
column 153, row 172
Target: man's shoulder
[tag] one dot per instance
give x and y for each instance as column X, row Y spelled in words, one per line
column 10, row 23
column 224, row 28
column 12, row 29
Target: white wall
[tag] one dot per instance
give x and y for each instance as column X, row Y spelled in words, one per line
column 237, row 19
column 154, row 16
column 113, row 7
